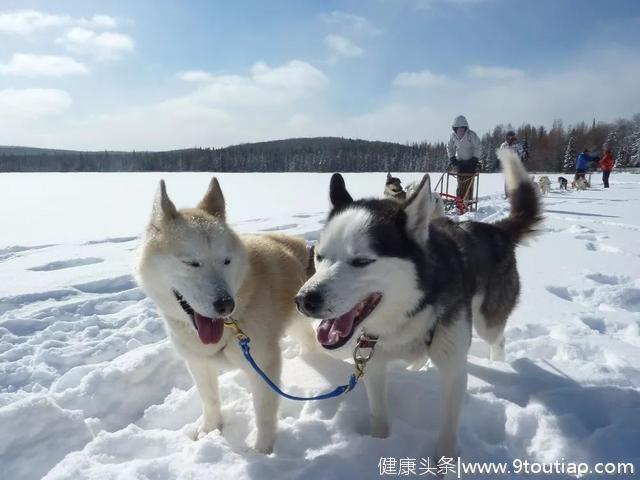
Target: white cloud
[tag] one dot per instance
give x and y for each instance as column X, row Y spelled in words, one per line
column 195, row 76
column 265, row 103
column 345, row 27
column 32, row 103
column 494, row 73
column 293, row 99
column 423, row 79
column 342, row 46
column 573, row 93
column 350, row 22
column 100, row 45
column 27, row 22
column 265, row 86
column 28, row 65
column 98, row 21
column 295, row 75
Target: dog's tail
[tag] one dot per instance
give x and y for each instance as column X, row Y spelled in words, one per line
column 526, row 209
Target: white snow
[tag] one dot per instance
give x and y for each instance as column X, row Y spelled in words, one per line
column 90, row 387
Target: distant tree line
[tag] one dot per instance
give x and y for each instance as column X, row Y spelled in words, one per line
column 542, row 149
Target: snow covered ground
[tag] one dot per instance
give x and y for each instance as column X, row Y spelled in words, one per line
column 90, row 387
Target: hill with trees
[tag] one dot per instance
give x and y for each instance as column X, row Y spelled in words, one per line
column 544, row 150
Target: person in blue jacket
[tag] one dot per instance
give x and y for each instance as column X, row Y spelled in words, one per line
column 583, row 162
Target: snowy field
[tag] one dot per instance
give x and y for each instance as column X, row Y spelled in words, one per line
column 90, row 387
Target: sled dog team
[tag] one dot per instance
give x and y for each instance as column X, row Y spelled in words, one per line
column 393, row 269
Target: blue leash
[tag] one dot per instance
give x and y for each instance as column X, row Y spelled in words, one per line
column 244, row 342
column 244, row 345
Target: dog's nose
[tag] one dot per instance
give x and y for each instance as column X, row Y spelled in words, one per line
column 224, row 305
column 309, row 302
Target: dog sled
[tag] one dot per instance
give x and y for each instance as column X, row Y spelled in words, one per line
column 459, row 200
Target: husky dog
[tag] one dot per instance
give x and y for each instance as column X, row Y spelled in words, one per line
column 545, row 185
column 386, row 273
column 393, row 188
column 437, row 203
column 563, row 183
column 580, row 183
column 199, row 272
column 437, row 210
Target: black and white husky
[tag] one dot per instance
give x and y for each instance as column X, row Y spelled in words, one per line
column 393, row 188
column 563, row 183
column 389, row 273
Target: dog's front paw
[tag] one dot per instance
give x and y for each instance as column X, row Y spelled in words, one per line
column 263, row 446
column 205, row 427
column 379, row 427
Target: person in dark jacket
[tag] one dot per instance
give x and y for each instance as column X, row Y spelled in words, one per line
column 582, row 164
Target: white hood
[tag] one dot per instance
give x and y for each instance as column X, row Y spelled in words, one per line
column 460, row 121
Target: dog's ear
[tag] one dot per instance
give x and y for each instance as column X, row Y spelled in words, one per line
column 338, row 192
column 419, row 208
column 213, row 200
column 389, row 176
column 163, row 207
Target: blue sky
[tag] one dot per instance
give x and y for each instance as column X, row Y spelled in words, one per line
column 171, row 74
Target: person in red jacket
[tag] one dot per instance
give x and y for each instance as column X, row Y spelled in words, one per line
column 606, row 164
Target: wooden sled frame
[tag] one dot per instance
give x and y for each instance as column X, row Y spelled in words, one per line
column 452, row 201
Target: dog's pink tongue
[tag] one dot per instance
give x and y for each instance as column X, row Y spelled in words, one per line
column 322, row 334
column 331, row 330
column 209, row 329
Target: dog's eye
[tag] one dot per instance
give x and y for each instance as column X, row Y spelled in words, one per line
column 361, row 262
column 227, row 261
column 319, row 258
column 191, row 263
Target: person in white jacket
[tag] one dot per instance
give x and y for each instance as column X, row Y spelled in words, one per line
column 511, row 142
column 464, row 150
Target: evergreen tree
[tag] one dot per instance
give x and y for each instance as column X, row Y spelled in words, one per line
column 634, row 156
column 569, row 163
column 484, row 163
column 621, row 157
column 612, row 141
column 485, row 157
column 524, row 151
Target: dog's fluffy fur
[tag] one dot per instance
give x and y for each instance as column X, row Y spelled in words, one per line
column 437, row 204
column 581, row 184
column 198, row 271
column 388, row 270
column 545, row 185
